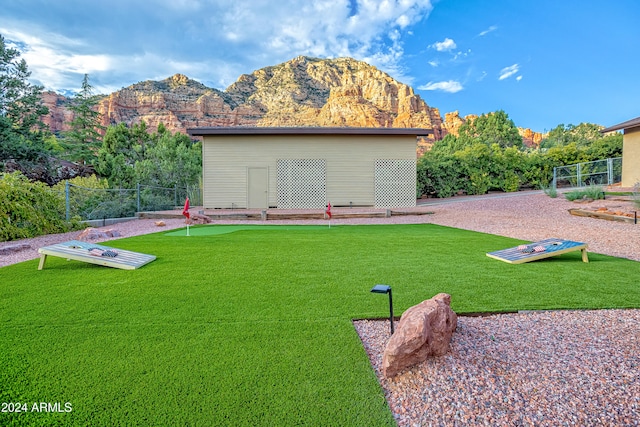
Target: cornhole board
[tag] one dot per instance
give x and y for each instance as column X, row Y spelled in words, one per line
column 552, row 247
column 79, row 251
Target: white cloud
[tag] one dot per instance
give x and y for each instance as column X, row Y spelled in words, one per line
column 217, row 39
column 433, row 63
column 461, row 55
column 507, row 72
column 52, row 59
column 488, row 30
column 403, row 21
column 450, row 86
column 445, row 45
column 519, row 78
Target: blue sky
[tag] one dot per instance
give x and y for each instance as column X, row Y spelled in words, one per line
column 544, row 62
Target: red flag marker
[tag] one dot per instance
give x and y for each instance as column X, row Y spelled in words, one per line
column 328, row 211
column 185, row 211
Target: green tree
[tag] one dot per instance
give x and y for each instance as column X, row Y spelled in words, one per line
column 563, row 135
column 129, row 156
column 447, row 145
column 20, row 101
column 492, row 128
column 172, row 160
column 84, row 139
column 25, row 145
column 118, row 155
column 605, row 147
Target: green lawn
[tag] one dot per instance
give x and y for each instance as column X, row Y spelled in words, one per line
column 253, row 327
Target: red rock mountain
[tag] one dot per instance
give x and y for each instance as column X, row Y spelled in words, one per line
column 301, row 92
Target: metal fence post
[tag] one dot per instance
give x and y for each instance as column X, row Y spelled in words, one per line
column 554, row 182
column 610, row 171
column 67, row 203
column 138, row 196
column 175, row 194
column 578, row 175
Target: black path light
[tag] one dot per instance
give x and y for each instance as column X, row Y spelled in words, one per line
column 385, row 289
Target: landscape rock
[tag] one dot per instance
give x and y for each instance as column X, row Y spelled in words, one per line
column 160, row 223
column 424, row 330
column 91, row 233
column 14, row 248
column 198, row 219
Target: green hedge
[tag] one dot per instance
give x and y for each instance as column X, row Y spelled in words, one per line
column 30, row 209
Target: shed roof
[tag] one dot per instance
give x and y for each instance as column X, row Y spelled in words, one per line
column 239, row 130
column 624, row 125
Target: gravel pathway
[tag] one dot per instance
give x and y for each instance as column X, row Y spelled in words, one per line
column 549, row 368
column 553, row 368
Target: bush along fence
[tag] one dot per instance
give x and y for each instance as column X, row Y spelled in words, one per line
column 102, row 203
column 599, row 172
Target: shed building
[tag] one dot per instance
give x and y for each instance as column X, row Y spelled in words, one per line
column 306, row 167
column 630, row 150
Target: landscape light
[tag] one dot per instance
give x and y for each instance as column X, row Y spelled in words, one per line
column 385, row 289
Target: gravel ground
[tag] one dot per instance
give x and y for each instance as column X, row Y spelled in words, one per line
column 553, row 368
column 549, row 368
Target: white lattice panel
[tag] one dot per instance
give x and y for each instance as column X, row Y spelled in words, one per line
column 302, row 183
column 395, row 183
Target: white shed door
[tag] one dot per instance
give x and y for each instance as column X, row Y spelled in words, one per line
column 257, row 191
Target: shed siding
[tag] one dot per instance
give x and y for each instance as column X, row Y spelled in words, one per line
column 631, row 157
column 350, row 164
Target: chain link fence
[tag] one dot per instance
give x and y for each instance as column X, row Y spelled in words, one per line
column 599, row 172
column 106, row 203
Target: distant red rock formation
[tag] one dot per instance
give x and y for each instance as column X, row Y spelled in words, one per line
column 301, row 92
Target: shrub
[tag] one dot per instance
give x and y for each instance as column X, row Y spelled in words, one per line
column 593, row 192
column 29, row 209
column 550, row 191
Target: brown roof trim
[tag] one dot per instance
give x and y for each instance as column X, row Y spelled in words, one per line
column 624, row 125
column 239, row 130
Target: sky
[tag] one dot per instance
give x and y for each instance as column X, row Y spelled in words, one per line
column 543, row 62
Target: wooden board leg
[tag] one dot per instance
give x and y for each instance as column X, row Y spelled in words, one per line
column 585, row 258
column 43, row 258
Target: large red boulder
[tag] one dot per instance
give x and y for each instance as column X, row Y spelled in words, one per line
column 424, row 330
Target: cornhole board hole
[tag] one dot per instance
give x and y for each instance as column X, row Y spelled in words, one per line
column 539, row 250
column 81, row 251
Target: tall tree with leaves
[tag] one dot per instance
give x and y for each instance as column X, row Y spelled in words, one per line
column 20, row 101
column 489, row 129
column 84, row 139
column 23, row 135
column 582, row 135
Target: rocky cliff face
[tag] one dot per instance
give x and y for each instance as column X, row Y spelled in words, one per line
column 301, row 92
column 59, row 114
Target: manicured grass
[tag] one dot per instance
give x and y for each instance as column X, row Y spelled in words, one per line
column 253, row 327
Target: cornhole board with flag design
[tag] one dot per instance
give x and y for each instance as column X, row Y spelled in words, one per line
column 80, row 251
column 539, row 250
